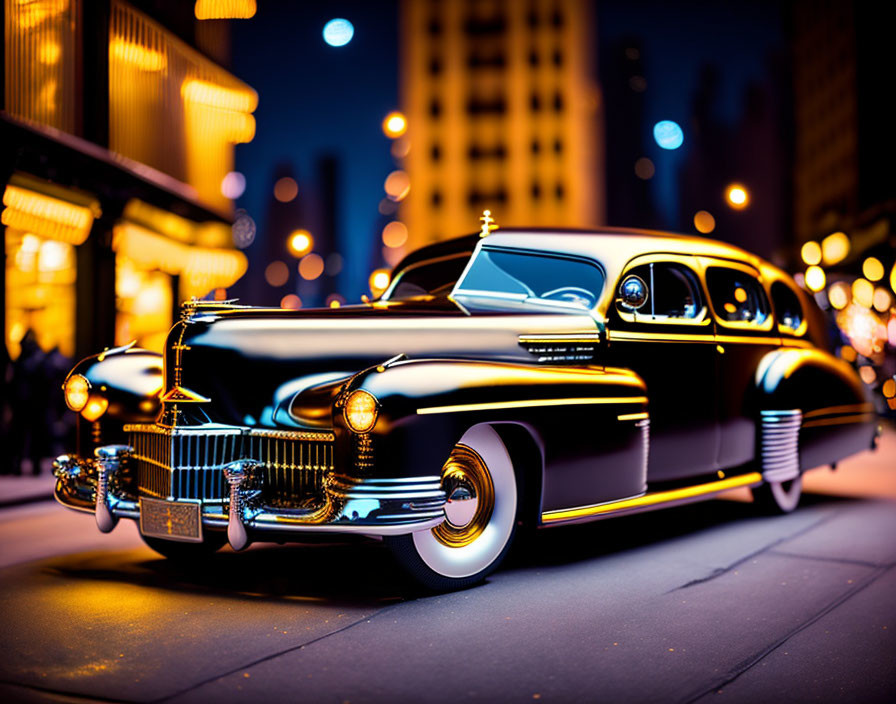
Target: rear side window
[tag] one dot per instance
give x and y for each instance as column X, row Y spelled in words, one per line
column 673, row 292
column 787, row 306
column 737, row 297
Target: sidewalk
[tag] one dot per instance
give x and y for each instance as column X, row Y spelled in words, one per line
column 17, row 489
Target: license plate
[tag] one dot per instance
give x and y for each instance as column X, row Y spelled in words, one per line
column 172, row 520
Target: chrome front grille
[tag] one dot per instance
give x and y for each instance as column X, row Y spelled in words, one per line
column 187, row 463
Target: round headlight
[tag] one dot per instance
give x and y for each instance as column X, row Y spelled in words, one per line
column 95, row 408
column 77, row 390
column 360, row 411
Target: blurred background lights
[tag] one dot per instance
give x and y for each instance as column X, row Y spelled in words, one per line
column 394, row 125
column 224, row 9
column 379, row 281
column 838, row 295
column 276, row 273
column 815, row 278
column 400, row 148
column 835, row 247
column 644, row 168
column 291, row 301
column 334, row 300
column 873, row 269
column 863, row 292
column 881, row 300
column 737, row 196
column 311, row 267
column 869, row 376
column 300, row 242
column 233, row 185
column 243, row 229
column 334, row 264
column 811, row 253
column 889, row 388
column 286, row 189
column 704, row 222
column 338, row 32
column 668, row 134
column 395, row 234
column 397, row 185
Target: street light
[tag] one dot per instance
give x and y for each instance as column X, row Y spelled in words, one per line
column 394, row 125
column 737, row 196
column 300, row 243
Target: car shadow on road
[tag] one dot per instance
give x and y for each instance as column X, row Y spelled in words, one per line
column 364, row 573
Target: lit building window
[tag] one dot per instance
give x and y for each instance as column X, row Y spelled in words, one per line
column 143, row 304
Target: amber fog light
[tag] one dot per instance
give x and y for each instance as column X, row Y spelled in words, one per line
column 360, row 411
column 77, row 391
column 95, row 408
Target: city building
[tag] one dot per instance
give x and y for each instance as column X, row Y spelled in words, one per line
column 503, row 113
column 118, row 126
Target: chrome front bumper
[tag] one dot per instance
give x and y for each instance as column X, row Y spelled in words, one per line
column 376, row 507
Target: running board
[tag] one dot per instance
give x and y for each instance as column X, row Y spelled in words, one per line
column 649, row 501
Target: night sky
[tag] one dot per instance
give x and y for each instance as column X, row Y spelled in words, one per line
column 316, row 99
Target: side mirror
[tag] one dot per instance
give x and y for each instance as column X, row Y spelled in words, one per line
column 632, row 292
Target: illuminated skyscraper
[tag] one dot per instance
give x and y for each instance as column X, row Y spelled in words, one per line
column 503, row 113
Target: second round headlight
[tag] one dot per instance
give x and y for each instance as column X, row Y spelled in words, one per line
column 360, row 411
column 77, row 391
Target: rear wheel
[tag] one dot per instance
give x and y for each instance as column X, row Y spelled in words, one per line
column 480, row 517
column 186, row 553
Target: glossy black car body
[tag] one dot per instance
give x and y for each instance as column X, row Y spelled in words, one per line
column 529, row 376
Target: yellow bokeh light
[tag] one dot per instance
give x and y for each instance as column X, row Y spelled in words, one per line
column 848, row 353
column 893, row 278
column 395, row 234
column 394, row 125
column 889, row 388
column 737, row 196
column 397, row 185
column 740, row 295
column 138, row 56
column 815, row 278
column 704, row 222
column 838, row 295
column 811, row 253
column 379, row 281
column 881, row 300
column 95, row 408
column 835, row 247
column 873, row 269
column 300, row 243
column 863, row 292
column 311, row 267
column 224, row 9
column 286, row 189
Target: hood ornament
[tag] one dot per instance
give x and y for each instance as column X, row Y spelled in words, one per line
column 488, row 223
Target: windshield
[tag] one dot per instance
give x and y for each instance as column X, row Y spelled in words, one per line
column 533, row 277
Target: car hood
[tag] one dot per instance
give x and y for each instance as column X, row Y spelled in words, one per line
column 242, row 362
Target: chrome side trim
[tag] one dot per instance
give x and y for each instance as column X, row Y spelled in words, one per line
column 780, row 445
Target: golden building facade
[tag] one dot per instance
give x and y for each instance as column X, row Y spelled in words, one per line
column 503, row 113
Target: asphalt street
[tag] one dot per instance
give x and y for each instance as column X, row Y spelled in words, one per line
column 707, row 602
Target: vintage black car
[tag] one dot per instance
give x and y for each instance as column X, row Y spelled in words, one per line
column 523, row 378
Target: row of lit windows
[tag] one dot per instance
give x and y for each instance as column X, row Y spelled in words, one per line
column 476, row 197
column 476, row 152
column 477, row 60
column 497, row 24
column 498, row 105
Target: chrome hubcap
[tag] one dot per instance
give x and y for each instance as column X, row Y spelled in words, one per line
column 471, row 498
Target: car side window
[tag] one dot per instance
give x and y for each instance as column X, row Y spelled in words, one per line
column 787, row 307
column 737, row 297
column 429, row 278
column 673, row 292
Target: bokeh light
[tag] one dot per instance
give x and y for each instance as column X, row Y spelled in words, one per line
column 863, row 292
column 300, row 242
column 838, row 295
column 737, row 196
column 291, row 301
column 815, row 278
column 334, row 300
column 869, row 376
column 889, row 388
column 276, row 273
column 644, row 168
column 873, row 269
column 286, row 189
column 394, row 125
column 311, row 267
column 400, row 148
column 882, row 299
column 395, row 234
column 379, row 281
column 334, row 264
column 397, row 185
column 338, row 32
column 233, row 185
column 835, row 248
column 243, row 229
column 668, row 134
column 811, row 253
column 704, row 222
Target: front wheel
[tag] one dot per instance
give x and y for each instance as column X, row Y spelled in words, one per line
column 480, row 517
column 778, row 497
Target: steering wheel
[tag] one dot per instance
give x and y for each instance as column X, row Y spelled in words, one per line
column 570, row 294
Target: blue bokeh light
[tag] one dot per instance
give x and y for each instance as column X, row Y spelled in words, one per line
column 338, row 32
column 668, row 134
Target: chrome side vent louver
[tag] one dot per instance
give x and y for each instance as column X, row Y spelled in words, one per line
column 561, row 348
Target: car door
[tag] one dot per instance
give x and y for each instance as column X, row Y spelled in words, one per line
column 669, row 342
column 744, row 335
